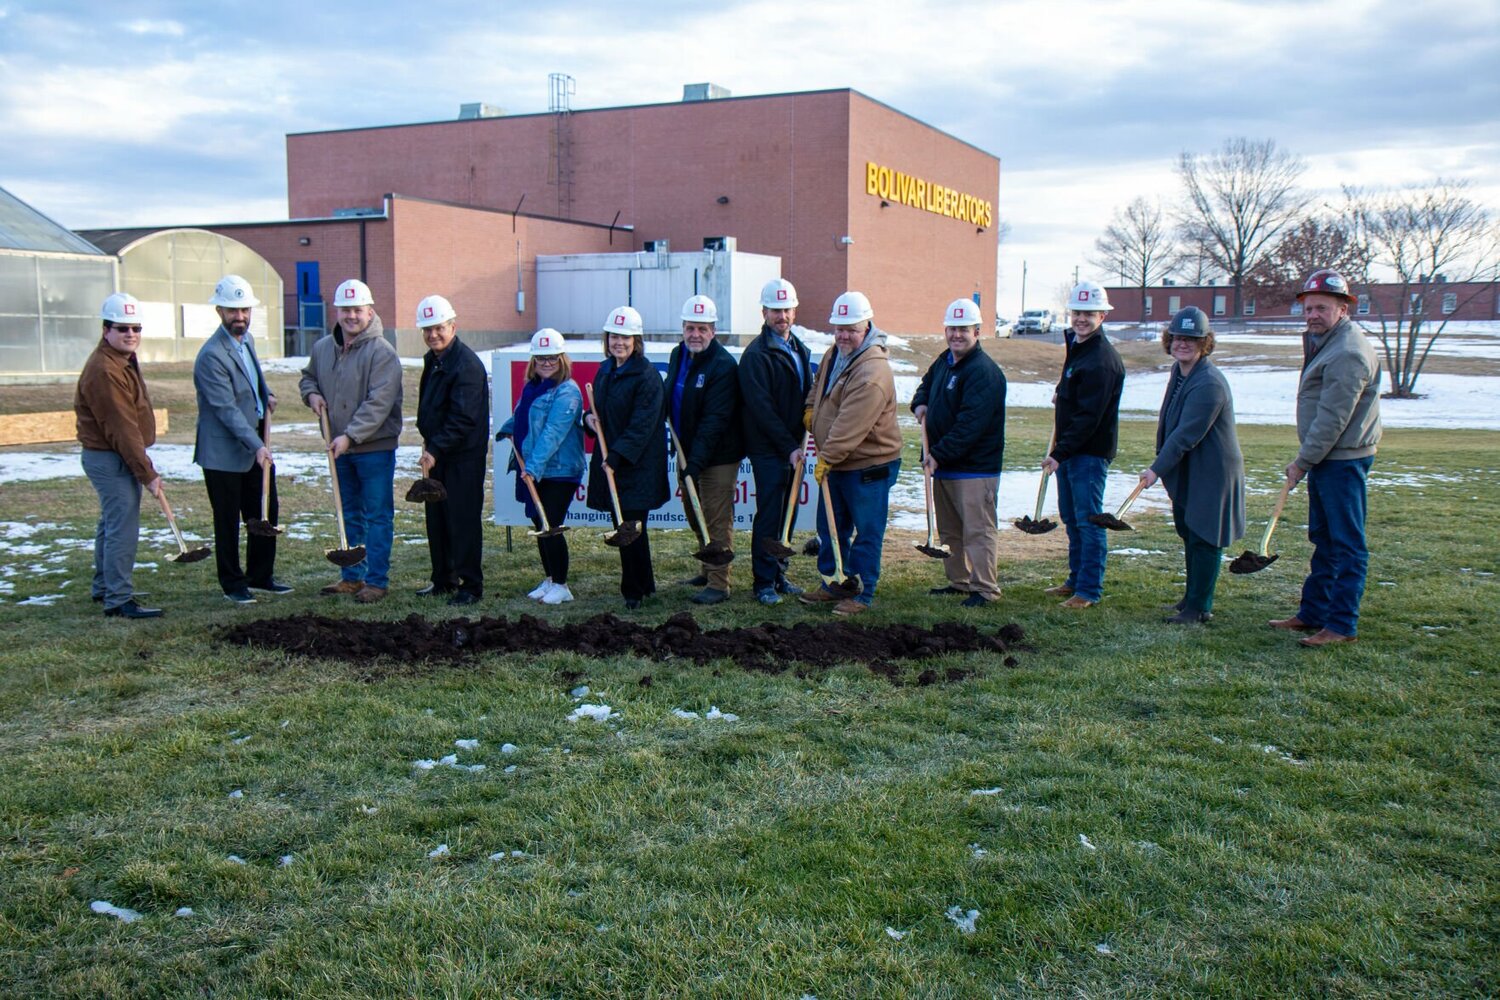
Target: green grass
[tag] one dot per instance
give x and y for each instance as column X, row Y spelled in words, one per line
column 767, row 857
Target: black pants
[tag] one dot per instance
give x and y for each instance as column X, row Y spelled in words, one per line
column 235, row 496
column 772, row 477
column 454, row 537
column 636, row 577
column 557, row 496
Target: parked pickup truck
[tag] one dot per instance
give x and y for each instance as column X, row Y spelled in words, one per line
column 1034, row 321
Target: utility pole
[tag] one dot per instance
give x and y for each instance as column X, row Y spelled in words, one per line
column 1075, row 274
column 1023, row 286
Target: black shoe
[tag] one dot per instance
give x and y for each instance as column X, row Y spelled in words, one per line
column 1180, row 605
column 463, row 598
column 973, row 601
column 632, row 603
column 241, row 596
column 938, row 591
column 694, row 581
column 710, row 595
column 130, row 609
column 272, row 587
column 433, row 590
column 1189, row 617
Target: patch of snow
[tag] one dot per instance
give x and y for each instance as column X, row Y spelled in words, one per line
column 1085, row 842
column 236, row 859
column 894, row 934
column 111, row 910
column 965, row 921
column 682, row 714
column 1104, row 949
column 466, row 744
column 977, row 851
column 285, row 860
column 986, row 791
column 440, row 851
column 183, row 911
column 369, row 810
column 238, row 793
column 508, row 748
column 40, row 601
column 714, row 713
column 581, row 691
column 599, row 713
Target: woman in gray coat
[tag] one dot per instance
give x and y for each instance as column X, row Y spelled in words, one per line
column 1198, row 460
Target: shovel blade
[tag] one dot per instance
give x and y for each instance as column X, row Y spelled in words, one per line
column 714, row 555
column 1031, row 527
column 934, row 551
column 1109, row 521
column 1251, row 562
column 849, row 586
column 623, row 535
column 550, row 532
column 193, row 555
column 346, row 557
column 426, row 490
column 777, row 548
column 261, row 528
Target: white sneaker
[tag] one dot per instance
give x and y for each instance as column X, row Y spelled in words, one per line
column 541, row 589
column 559, row 594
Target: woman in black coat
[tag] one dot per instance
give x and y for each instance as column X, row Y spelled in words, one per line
column 629, row 400
column 1198, row 460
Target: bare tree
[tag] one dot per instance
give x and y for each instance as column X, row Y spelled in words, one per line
column 1138, row 245
column 1238, row 201
column 1316, row 242
column 1433, row 237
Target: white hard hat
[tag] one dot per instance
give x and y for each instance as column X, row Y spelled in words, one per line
column 778, row 293
column 547, row 341
column 1087, row 296
column 700, row 309
column 353, row 293
column 121, row 307
column 851, row 308
column 234, row 292
column 624, row 321
column 434, row 311
column 962, row 312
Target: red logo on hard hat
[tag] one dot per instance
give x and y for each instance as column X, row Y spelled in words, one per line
column 348, row 293
column 427, row 313
column 843, row 310
column 697, row 308
column 781, row 295
column 129, row 309
column 619, row 319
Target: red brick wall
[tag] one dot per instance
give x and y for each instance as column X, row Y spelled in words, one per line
column 1485, row 305
column 335, row 245
column 784, row 162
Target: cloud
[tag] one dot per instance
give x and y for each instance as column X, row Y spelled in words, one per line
column 172, row 29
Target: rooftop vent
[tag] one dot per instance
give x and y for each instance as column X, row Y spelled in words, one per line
column 479, row 109
column 703, row 92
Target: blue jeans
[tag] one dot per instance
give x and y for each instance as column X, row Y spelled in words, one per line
column 861, row 508
column 119, row 529
column 1080, row 492
column 366, row 487
column 1336, row 528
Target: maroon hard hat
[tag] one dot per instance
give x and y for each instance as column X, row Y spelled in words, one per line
column 1327, row 282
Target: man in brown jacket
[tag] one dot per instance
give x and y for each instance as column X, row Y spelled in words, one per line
column 851, row 411
column 115, row 427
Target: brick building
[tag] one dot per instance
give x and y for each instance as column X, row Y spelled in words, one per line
column 1453, row 301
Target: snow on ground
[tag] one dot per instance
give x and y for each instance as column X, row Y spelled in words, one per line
column 1018, row 496
column 175, row 462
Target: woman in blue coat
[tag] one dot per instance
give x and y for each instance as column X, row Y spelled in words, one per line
column 1198, row 460
column 545, row 431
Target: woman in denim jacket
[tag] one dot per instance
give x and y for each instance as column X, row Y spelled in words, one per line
column 545, row 430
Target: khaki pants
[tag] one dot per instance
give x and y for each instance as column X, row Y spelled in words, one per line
column 965, row 512
column 716, row 494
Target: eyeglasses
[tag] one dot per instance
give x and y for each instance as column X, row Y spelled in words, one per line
column 125, row 329
column 550, row 359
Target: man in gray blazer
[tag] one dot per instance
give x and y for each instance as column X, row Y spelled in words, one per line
column 234, row 407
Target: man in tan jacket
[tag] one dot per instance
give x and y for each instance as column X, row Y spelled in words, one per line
column 851, row 411
column 115, row 427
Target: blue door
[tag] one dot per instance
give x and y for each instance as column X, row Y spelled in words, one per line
column 309, row 295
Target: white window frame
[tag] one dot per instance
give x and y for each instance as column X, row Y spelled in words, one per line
column 1363, row 306
column 1221, row 304
column 1450, row 303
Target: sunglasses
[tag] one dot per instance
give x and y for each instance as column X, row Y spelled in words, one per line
column 125, row 329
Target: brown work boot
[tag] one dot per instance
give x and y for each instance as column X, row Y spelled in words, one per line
column 369, row 595
column 1292, row 624
column 1061, row 590
column 1076, row 602
column 1325, row 638
column 342, row 587
column 818, row 595
column 848, row 606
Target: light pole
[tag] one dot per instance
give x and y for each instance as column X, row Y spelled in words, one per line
column 1023, row 287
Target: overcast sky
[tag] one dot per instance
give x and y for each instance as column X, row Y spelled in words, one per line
column 157, row 113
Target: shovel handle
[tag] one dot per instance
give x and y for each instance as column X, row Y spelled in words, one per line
column 1130, row 500
column 166, row 508
column 265, row 470
column 927, row 486
column 609, row 473
column 701, row 530
column 530, row 487
column 1265, row 540
column 833, row 533
column 1041, row 488
column 791, row 493
column 333, row 473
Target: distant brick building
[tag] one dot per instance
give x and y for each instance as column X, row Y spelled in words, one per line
column 1467, row 301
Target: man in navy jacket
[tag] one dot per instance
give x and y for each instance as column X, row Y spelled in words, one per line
column 961, row 403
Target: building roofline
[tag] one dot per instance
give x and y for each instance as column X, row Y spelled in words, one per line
column 620, row 227
column 654, row 104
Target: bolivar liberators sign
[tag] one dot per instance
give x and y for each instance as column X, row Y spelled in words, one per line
column 893, row 185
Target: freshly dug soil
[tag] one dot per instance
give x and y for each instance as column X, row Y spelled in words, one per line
column 767, row 647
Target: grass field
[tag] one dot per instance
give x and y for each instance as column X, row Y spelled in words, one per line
column 1209, row 811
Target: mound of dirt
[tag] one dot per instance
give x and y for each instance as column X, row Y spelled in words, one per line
column 766, row 647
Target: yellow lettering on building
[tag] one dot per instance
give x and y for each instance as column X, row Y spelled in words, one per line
column 930, row 196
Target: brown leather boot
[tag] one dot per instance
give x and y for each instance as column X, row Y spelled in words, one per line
column 369, row 595
column 1061, row 590
column 1292, row 624
column 1326, row 638
column 1077, row 602
column 342, row 587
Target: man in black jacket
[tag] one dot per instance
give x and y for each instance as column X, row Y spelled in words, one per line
column 961, row 403
column 775, row 372
column 1086, row 421
column 453, row 417
column 703, row 403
